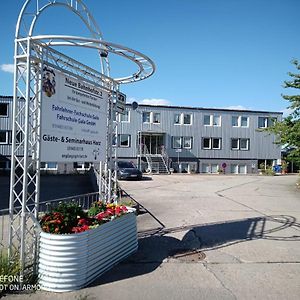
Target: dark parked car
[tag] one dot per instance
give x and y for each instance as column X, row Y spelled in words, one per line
column 127, row 170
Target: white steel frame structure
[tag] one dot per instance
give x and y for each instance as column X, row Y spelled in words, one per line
column 31, row 53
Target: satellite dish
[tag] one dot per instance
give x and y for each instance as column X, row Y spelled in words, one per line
column 134, row 105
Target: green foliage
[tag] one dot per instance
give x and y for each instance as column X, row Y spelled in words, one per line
column 96, row 207
column 288, row 130
column 62, row 218
column 7, row 268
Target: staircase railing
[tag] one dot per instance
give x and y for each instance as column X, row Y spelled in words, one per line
column 165, row 158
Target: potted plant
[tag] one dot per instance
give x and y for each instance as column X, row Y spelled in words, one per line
column 77, row 246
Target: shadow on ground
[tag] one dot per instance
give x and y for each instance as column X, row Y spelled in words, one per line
column 155, row 247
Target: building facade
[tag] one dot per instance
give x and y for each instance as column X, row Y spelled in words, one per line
column 183, row 139
column 199, row 139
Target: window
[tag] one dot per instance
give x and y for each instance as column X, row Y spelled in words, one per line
column 205, row 168
column 216, row 120
column 207, row 120
column 212, row 120
column 183, row 119
column 146, row 117
column 216, row 143
column 244, row 144
column 176, row 143
column 187, row 142
column 81, row 166
column 206, row 143
column 240, row 144
column 239, row 121
column 187, row 119
column 124, row 117
column 235, row 121
column 234, row 144
column 244, row 121
column 243, row 169
column 262, row 122
column 214, row 168
column 156, row 117
column 211, row 143
column 124, row 140
column 3, row 137
column 49, row 165
column 234, row 169
column 238, row 169
column 3, row 109
column 177, row 119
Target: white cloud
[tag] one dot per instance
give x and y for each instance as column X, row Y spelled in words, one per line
column 154, row 102
column 237, row 107
column 9, row 68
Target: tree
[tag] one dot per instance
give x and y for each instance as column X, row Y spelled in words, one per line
column 288, row 130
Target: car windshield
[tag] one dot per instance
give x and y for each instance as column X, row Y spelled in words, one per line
column 125, row 164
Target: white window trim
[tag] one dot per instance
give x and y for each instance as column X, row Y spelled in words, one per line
column 247, row 143
column 247, row 121
column 206, row 148
column 153, row 117
column 182, row 119
column 238, row 144
column 129, row 141
column 120, row 117
column 265, row 122
column 146, row 122
column 6, row 138
column 191, row 142
column 179, row 119
column 211, row 120
column 212, row 143
column 173, row 144
column 50, row 168
column 238, row 121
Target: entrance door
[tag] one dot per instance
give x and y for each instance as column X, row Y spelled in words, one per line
column 153, row 143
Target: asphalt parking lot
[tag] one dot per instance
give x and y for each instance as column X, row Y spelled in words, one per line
column 246, row 229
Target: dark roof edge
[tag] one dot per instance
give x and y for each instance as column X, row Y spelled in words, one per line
column 207, row 109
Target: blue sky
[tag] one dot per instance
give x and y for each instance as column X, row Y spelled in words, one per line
column 216, row 53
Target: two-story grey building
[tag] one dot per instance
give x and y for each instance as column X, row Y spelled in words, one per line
column 204, row 140
column 185, row 139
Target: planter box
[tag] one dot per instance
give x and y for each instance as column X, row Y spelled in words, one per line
column 69, row 262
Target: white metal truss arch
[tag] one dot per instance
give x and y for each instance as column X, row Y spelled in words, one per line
column 146, row 66
column 32, row 10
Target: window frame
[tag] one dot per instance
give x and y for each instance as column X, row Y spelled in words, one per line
column 206, row 118
column 146, row 113
column 247, row 144
column 212, row 143
column 183, row 118
column 128, row 145
column 238, row 144
column 153, row 117
column 241, row 122
column 173, row 142
column 46, row 165
column 209, row 141
column 127, row 113
column 266, row 122
column 184, row 138
column 6, row 137
column 7, row 110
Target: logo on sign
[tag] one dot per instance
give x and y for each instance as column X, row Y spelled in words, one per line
column 48, row 82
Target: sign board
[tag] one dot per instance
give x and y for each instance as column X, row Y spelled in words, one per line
column 73, row 119
column 224, row 165
column 178, row 150
column 120, row 103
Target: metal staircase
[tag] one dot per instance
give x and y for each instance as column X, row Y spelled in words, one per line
column 156, row 163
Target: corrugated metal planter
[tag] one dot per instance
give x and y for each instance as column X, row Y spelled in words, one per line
column 71, row 261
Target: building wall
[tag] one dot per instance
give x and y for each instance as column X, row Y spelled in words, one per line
column 261, row 147
column 261, row 143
